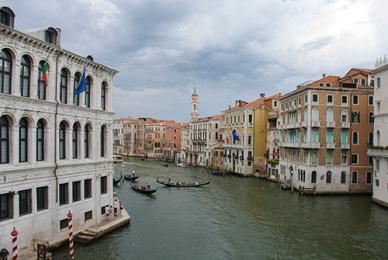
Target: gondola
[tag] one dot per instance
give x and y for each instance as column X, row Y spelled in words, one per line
column 144, row 191
column 130, row 177
column 116, row 182
column 182, row 184
column 165, row 164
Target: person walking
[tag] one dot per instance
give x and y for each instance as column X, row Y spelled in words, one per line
column 115, row 207
column 107, row 212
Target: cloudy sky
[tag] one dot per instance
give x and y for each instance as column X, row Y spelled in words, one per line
column 229, row 49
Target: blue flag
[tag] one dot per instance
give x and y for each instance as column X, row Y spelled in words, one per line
column 235, row 135
column 82, row 84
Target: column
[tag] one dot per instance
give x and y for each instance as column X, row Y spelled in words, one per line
column 82, row 143
column 32, row 144
column 33, row 81
column 68, row 141
column 14, row 145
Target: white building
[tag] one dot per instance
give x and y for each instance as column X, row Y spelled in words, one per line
column 56, row 147
column 380, row 148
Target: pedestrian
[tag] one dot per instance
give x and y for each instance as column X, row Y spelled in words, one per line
column 107, row 212
column 115, row 207
column 4, row 254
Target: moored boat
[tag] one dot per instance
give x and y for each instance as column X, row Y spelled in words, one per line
column 117, row 158
column 182, row 184
column 182, row 165
column 165, row 164
column 116, row 182
column 143, row 189
column 130, row 177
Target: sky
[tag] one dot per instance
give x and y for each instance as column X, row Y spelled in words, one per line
column 228, row 50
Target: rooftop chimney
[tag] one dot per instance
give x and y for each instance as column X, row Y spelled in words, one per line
column 323, row 75
column 262, row 95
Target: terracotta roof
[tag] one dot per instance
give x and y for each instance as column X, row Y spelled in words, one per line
column 325, row 79
column 261, row 101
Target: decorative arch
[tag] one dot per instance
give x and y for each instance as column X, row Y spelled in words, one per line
column 7, row 58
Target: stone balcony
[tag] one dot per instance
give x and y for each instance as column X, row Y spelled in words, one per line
column 310, row 145
column 345, row 124
column 330, row 124
column 378, row 152
column 345, row 146
column 303, row 124
column 315, row 124
column 330, row 145
column 290, row 144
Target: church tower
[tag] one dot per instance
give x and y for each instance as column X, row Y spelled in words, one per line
column 194, row 105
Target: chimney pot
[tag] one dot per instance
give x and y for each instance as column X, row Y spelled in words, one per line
column 323, row 75
column 262, row 95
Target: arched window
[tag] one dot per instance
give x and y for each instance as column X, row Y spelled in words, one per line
column 40, row 140
column 75, row 140
column 315, row 114
column 314, row 177
column 355, row 117
column 87, row 91
column 25, row 71
column 86, row 140
column 343, row 177
column 23, row 140
column 371, row 118
column 4, row 140
column 370, row 139
column 62, row 140
column 102, row 141
column 7, row 16
column 305, row 115
column 42, row 79
column 344, row 116
column 77, row 78
column 329, row 115
column 5, row 71
column 328, row 177
column 63, row 88
column 378, row 137
column 103, row 95
column 355, row 138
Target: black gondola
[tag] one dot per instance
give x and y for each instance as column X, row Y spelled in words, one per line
column 182, row 184
column 143, row 189
column 130, row 177
column 116, row 182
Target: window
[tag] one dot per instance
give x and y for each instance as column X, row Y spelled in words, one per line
column 63, row 87
column 378, row 137
column 329, row 115
column 250, row 118
column 328, row 177
column 315, row 136
column 75, row 140
column 25, row 71
column 329, row 157
column 370, row 100
column 249, row 139
column 314, row 157
column 87, row 188
column 103, row 95
column 377, row 164
column 7, row 17
column 4, row 140
column 23, row 140
column 371, row 118
column 103, row 209
column 343, row 177
column 306, row 98
column 355, row 81
column 378, row 106
column 363, row 82
column 104, row 185
column 321, row 84
column 315, row 114
column 370, row 138
column 40, row 140
column 315, row 98
column 344, row 100
column 355, row 100
column 377, row 183
column 42, row 74
column 354, row 177
column 314, row 177
column 329, row 136
column 6, row 206
column 344, row 136
column 42, row 198
column 355, row 138
column 5, row 71
column 76, row 191
column 102, row 141
column 64, row 223
column 369, row 177
column 87, row 91
column 77, row 78
column 62, row 140
column 63, row 193
column 378, row 82
column 354, row 158
column 86, row 141
column 344, row 157
column 51, row 35
column 25, row 206
column 344, row 116
column 329, row 99
column 356, row 117
column 88, row 215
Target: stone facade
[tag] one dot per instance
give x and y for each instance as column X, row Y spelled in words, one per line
column 46, row 168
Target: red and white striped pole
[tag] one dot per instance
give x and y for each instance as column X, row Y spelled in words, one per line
column 14, row 235
column 71, row 243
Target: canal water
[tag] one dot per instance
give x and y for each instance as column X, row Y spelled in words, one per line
column 237, row 218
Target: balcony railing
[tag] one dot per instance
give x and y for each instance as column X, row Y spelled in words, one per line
column 310, row 145
column 330, row 124
column 330, row 145
column 345, row 146
column 303, row 124
column 345, row 124
column 315, row 123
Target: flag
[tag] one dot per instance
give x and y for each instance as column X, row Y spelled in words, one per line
column 44, row 74
column 235, row 135
column 82, row 84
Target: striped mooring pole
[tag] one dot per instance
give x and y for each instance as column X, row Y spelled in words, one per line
column 14, row 235
column 71, row 243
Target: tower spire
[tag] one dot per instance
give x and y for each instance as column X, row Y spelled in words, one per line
column 194, row 105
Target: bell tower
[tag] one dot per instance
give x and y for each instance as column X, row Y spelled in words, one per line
column 194, row 105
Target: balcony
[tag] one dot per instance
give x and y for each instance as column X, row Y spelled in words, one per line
column 290, row 144
column 303, row 124
column 330, row 145
column 315, row 124
column 310, row 145
column 345, row 124
column 345, row 146
column 378, row 151
column 330, row 124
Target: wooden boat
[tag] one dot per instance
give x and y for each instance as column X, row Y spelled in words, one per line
column 116, row 182
column 182, row 184
column 130, row 177
column 138, row 188
column 182, row 165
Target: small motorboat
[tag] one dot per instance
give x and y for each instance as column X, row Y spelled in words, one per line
column 116, row 182
column 182, row 184
column 165, row 164
column 117, row 158
column 143, row 189
column 182, row 165
column 130, row 177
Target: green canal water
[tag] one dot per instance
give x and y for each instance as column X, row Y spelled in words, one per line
column 237, row 218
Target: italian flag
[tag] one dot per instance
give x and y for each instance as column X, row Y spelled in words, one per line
column 45, row 74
